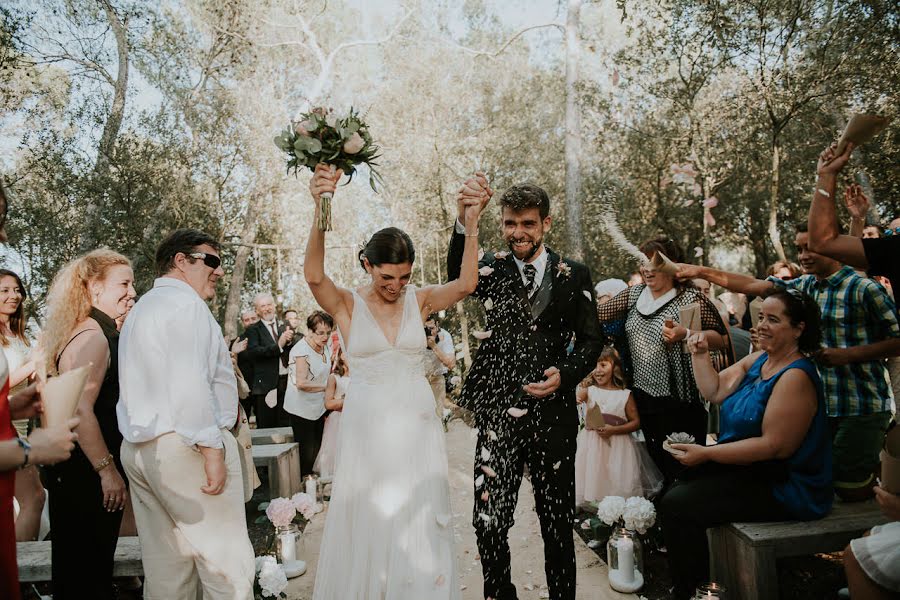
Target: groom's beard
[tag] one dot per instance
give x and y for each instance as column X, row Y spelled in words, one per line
column 535, row 246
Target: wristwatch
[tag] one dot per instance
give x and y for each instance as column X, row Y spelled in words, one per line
column 26, row 448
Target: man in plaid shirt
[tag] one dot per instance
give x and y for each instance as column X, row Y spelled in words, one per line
column 859, row 330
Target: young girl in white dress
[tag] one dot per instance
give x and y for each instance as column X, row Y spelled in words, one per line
column 609, row 461
column 335, row 390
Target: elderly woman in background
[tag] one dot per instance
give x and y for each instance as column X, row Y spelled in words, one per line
column 88, row 491
column 773, row 459
column 18, row 353
column 310, row 364
column 662, row 379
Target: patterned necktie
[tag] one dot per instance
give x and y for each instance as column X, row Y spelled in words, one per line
column 273, row 330
column 530, row 275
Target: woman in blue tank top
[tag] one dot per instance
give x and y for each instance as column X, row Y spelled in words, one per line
column 773, row 459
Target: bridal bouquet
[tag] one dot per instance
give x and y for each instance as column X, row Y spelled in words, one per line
column 635, row 513
column 322, row 137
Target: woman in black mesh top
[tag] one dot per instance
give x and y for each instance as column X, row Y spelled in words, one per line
column 662, row 378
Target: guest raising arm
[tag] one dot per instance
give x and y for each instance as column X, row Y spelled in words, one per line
column 773, row 459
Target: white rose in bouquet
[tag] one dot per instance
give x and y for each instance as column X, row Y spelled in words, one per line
column 354, row 143
column 610, row 509
column 304, row 127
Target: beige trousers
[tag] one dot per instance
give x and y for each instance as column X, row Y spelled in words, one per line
column 194, row 545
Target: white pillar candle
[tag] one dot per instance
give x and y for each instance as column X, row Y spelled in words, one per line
column 288, row 547
column 311, row 486
column 625, row 549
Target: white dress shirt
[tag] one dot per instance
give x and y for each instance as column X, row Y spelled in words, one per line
column 539, row 263
column 175, row 372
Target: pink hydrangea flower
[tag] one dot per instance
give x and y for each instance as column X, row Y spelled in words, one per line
column 281, row 512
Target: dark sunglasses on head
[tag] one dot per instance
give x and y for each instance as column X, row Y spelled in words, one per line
column 210, row 260
column 894, row 231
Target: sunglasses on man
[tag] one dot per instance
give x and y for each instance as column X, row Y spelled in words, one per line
column 210, row 260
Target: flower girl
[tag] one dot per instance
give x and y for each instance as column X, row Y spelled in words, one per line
column 609, row 461
column 335, row 390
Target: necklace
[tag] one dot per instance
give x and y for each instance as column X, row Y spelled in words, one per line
column 770, row 367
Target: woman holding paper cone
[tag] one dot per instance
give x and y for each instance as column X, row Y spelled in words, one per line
column 773, row 459
column 662, row 379
column 88, row 491
column 18, row 353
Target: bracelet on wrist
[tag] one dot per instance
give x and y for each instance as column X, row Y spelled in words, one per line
column 26, row 450
column 472, row 234
column 107, row 460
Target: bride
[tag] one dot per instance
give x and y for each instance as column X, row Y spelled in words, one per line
column 388, row 534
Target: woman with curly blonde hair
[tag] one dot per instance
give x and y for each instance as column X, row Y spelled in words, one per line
column 88, row 491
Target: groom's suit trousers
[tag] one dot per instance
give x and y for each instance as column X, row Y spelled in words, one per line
column 193, row 545
column 549, row 453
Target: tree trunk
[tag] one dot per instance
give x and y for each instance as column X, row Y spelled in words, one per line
column 110, row 128
column 573, row 134
column 248, row 236
column 774, row 235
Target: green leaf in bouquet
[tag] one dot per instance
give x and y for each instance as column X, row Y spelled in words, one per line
column 307, row 145
column 261, row 519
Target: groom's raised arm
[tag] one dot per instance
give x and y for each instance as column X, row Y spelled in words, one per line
column 588, row 334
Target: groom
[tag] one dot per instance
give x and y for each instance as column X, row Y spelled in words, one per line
column 521, row 387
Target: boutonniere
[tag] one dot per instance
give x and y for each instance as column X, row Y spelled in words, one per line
column 501, row 255
column 563, row 270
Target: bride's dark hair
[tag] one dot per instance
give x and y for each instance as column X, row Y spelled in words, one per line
column 389, row 246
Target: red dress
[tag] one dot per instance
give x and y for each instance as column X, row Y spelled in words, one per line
column 9, row 570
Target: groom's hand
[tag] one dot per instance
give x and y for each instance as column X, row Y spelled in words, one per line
column 475, row 191
column 548, row 386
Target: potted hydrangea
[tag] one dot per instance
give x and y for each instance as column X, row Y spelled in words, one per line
column 289, row 517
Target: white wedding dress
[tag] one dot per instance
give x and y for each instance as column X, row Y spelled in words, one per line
column 388, row 534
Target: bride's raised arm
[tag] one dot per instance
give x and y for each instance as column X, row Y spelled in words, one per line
column 330, row 297
column 439, row 297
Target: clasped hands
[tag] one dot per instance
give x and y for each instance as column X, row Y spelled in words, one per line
column 472, row 197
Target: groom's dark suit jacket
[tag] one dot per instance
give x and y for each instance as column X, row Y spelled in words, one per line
column 530, row 336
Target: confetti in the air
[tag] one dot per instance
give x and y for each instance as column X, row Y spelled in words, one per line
column 517, row 412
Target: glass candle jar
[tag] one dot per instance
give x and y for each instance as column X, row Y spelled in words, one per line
column 710, row 591
column 625, row 558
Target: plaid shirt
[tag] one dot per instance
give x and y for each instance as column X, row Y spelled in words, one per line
column 856, row 311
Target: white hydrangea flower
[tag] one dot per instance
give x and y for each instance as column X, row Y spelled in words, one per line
column 639, row 514
column 272, row 579
column 610, row 509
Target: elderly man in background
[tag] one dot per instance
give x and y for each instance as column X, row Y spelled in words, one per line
column 268, row 343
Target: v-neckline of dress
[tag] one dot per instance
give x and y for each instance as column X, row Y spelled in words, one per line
column 378, row 325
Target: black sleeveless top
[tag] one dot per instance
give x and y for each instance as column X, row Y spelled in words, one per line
column 108, row 396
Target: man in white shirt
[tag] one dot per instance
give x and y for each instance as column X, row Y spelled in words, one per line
column 443, row 358
column 178, row 402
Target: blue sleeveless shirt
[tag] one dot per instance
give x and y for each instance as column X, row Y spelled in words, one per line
column 807, row 493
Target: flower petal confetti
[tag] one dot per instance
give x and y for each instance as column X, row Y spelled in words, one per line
column 587, row 294
column 516, row 412
column 711, row 202
column 698, row 251
column 488, row 304
column 485, row 454
column 484, row 496
column 485, row 271
column 492, row 435
column 479, row 481
column 556, row 465
column 501, row 255
column 482, row 335
column 488, row 471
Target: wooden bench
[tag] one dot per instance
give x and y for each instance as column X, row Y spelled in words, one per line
column 743, row 555
column 34, row 560
column 283, row 464
column 272, row 435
